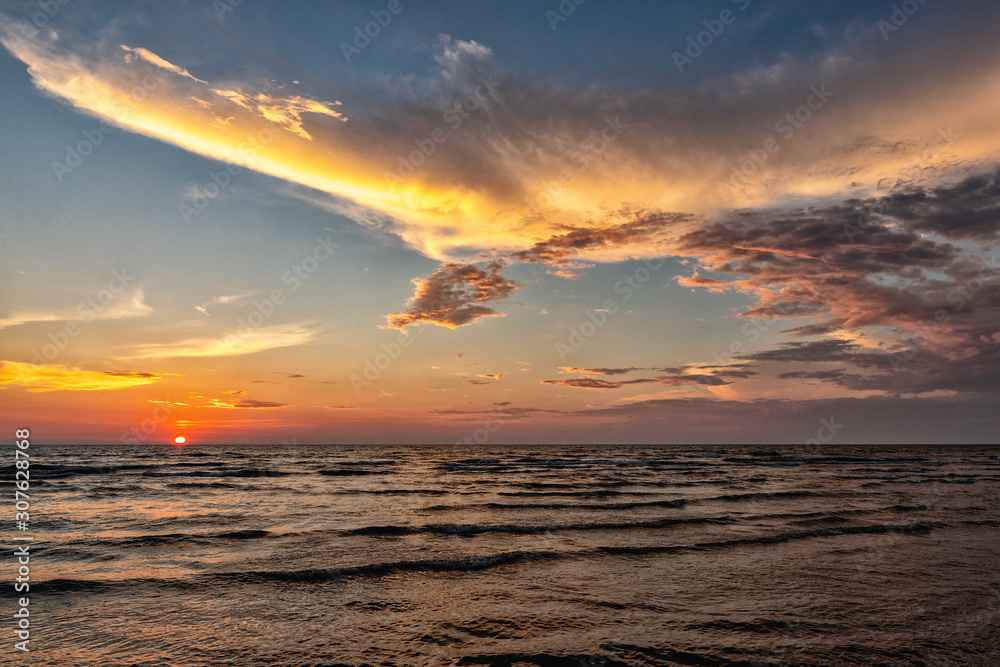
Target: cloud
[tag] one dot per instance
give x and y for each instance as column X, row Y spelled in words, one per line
column 64, row 378
column 255, row 340
column 235, row 392
column 696, row 280
column 599, row 371
column 253, row 403
column 286, row 112
column 499, row 180
column 455, row 295
column 691, row 374
column 591, row 383
column 628, row 232
column 128, row 306
column 169, row 403
column 493, row 376
column 501, row 411
column 968, row 209
column 223, row 299
column 869, row 270
column 872, row 419
column 157, row 61
column 812, row 375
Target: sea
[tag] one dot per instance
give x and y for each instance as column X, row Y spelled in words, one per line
column 510, row 556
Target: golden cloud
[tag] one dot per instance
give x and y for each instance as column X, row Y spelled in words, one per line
column 62, row 378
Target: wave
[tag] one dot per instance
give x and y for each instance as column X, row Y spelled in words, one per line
column 224, row 472
column 43, row 471
column 776, row 538
column 559, row 506
column 580, row 494
column 160, row 539
column 458, row 564
column 763, row 495
column 397, row 492
column 466, row 529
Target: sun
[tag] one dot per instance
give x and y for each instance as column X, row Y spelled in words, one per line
column 180, row 440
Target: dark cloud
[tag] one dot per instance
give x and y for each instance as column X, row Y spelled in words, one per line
column 869, row 266
column 600, row 371
column 456, row 295
column 254, row 403
column 506, row 412
column 643, row 232
column 869, row 420
column 131, row 374
column 966, row 210
column 812, row 375
column 828, row 350
column 591, row 383
column 811, row 330
column 712, row 376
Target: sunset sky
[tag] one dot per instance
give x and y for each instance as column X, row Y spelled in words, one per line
column 420, row 222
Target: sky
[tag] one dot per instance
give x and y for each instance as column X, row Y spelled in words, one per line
column 492, row 222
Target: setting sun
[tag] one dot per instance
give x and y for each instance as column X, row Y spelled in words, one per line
column 180, row 440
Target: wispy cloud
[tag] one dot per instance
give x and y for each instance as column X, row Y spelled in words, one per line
column 256, row 340
column 131, row 305
column 157, row 61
